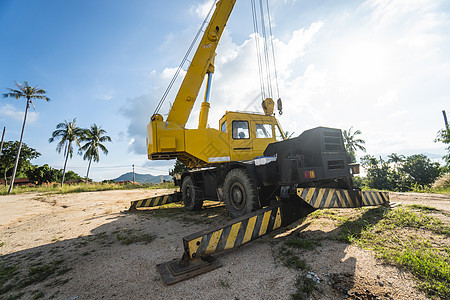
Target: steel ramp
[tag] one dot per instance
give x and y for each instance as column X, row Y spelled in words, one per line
column 178, row 270
column 233, row 234
column 156, row 201
column 342, row 198
column 199, row 246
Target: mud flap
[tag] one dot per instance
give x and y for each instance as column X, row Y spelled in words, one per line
column 293, row 209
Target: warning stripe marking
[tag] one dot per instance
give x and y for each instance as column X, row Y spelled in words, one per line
column 232, row 236
column 341, row 198
column 154, row 201
column 236, row 233
column 375, row 198
column 249, row 230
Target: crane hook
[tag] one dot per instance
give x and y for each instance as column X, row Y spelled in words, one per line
column 280, row 106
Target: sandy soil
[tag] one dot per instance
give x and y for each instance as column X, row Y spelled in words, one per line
column 78, row 235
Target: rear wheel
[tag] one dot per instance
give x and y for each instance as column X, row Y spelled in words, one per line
column 240, row 193
column 191, row 195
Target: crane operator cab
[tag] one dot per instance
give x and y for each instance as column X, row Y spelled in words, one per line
column 249, row 133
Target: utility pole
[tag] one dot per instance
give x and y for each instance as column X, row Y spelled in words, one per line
column 134, row 179
column 3, row 137
column 445, row 119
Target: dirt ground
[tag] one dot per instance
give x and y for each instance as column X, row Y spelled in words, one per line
column 91, row 249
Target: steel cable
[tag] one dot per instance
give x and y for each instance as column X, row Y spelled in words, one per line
column 174, row 78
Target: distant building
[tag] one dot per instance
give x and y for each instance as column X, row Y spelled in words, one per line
column 128, row 182
column 74, row 181
column 20, row 182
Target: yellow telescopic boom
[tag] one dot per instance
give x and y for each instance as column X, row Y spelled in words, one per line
column 202, row 62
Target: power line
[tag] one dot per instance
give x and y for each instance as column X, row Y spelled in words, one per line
column 273, row 50
column 174, row 78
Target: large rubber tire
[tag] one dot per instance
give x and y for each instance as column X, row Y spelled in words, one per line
column 191, row 195
column 240, row 193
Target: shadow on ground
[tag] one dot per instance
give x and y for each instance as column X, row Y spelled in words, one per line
column 117, row 260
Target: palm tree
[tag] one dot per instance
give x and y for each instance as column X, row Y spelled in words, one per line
column 94, row 138
column 352, row 143
column 396, row 159
column 30, row 93
column 69, row 133
column 288, row 134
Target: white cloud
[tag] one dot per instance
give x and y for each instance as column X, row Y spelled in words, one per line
column 384, row 74
column 8, row 111
column 201, row 9
column 105, row 95
column 287, row 54
column 387, row 99
column 386, row 13
column 168, row 73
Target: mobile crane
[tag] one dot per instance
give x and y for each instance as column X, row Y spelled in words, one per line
column 265, row 180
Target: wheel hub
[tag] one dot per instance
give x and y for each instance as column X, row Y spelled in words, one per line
column 188, row 195
column 237, row 196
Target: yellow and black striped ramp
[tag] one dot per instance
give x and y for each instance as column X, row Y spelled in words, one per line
column 235, row 233
column 155, row 201
column 341, row 198
column 370, row 198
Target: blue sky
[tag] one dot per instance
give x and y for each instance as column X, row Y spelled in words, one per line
column 380, row 66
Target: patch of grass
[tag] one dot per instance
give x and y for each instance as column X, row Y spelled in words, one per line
column 332, row 214
column 422, row 207
column 403, row 217
column 124, row 236
column 305, row 286
column 352, row 229
column 445, row 190
column 38, row 273
column 291, row 260
column 58, row 282
column 15, row 296
column 128, row 237
column 427, row 209
column 79, row 188
column 419, row 188
column 407, row 238
column 6, row 274
column 38, row 295
column 2, row 244
column 442, row 183
column 224, row 283
column 429, row 264
column 11, row 278
column 302, row 243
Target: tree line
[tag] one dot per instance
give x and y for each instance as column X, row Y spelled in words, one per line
column 39, row 174
column 397, row 172
column 67, row 132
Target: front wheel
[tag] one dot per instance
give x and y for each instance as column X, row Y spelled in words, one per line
column 192, row 196
column 240, row 193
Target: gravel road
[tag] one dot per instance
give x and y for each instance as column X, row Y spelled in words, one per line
column 81, row 241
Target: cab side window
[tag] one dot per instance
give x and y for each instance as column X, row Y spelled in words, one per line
column 263, row 131
column 240, row 130
column 278, row 134
column 223, row 128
